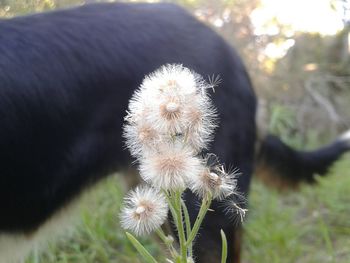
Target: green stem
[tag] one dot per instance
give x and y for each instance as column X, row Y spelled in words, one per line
column 162, row 236
column 201, row 214
column 141, row 249
column 188, row 226
column 172, row 206
column 180, row 227
column 224, row 247
column 168, row 242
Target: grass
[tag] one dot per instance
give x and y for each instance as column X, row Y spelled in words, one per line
column 98, row 237
column 311, row 225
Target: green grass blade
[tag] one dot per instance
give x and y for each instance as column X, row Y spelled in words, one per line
column 224, row 247
column 141, row 249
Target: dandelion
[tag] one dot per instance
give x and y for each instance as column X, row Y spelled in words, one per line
column 201, row 121
column 168, row 115
column 145, row 210
column 140, row 135
column 170, row 121
column 173, row 101
column 214, row 180
column 172, row 80
column 170, row 168
column 141, row 138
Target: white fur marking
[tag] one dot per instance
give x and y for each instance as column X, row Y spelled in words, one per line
column 15, row 247
column 345, row 137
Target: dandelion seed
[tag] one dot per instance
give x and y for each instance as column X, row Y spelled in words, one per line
column 170, row 168
column 234, row 210
column 214, row 81
column 234, row 207
column 145, row 209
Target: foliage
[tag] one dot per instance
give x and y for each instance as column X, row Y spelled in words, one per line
column 9, row 8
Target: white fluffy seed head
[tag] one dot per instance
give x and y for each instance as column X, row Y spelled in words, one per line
column 172, row 101
column 145, row 209
column 201, row 121
column 170, row 168
column 141, row 138
column 171, row 80
column 212, row 179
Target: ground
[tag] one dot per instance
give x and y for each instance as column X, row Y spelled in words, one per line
column 308, row 226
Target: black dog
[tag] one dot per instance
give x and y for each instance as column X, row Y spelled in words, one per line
column 65, row 81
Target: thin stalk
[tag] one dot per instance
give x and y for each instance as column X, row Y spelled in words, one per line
column 167, row 242
column 141, row 249
column 224, row 247
column 162, row 236
column 201, row 214
column 180, row 227
column 172, row 206
column 188, row 226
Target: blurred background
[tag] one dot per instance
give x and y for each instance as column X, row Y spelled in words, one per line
column 298, row 55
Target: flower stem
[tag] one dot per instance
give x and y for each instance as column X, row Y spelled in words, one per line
column 141, row 249
column 188, row 226
column 162, row 236
column 168, row 242
column 172, row 205
column 180, row 227
column 224, row 247
column 201, row 214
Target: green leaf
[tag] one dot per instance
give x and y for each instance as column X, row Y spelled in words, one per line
column 141, row 249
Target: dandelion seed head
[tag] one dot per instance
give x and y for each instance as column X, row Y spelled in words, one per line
column 141, row 138
column 145, row 209
column 168, row 118
column 213, row 180
column 172, row 101
column 140, row 210
column 170, row 168
column 201, row 122
column 172, row 80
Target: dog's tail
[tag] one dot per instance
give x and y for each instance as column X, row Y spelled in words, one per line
column 281, row 166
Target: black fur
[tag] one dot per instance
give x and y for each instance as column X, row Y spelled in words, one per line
column 66, row 78
column 294, row 167
column 65, row 81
